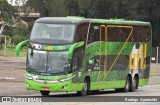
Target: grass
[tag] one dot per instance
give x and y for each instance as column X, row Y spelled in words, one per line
column 12, row 52
column 155, row 75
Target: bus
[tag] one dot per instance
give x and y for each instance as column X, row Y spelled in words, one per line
column 81, row 55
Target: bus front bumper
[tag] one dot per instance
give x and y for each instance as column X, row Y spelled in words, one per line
column 61, row 86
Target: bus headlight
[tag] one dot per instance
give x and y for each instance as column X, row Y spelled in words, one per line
column 67, row 79
column 28, row 77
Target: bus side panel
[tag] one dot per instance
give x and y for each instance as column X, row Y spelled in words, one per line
column 144, row 74
column 100, row 78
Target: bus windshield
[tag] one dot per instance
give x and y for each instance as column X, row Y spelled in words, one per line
column 52, row 33
column 47, row 61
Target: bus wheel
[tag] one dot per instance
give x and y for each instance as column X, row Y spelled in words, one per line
column 133, row 84
column 137, row 82
column 44, row 93
column 85, row 89
column 127, row 85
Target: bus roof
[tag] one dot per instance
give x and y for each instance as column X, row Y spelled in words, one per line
column 77, row 20
column 69, row 20
column 121, row 22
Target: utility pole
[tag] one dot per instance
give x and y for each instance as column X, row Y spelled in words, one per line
column 157, row 58
column 5, row 39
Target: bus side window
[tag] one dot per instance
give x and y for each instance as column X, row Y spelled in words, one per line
column 148, row 33
column 75, row 63
column 81, row 33
column 140, row 34
column 94, row 34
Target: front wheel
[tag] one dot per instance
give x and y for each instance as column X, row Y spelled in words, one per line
column 85, row 89
column 44, row 93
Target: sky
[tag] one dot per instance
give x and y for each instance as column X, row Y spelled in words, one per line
column 15, row 2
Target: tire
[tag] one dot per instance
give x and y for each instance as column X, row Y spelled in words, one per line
column 133, row 84
column 127, row 86
column 85, row 89
column 137, row 82
column 44, row 93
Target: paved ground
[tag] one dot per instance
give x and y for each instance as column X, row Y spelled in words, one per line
column 12, row 68
column 92, row 99
column 12, row 77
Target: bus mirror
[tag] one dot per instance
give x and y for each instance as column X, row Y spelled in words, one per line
column 91, row 61
column 20, row 45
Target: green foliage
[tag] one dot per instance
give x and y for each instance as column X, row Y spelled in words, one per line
column 18, row 38
column 11, row 52
column 48, row 7
column 141, row 10
column 10, row 45
column 7, row 11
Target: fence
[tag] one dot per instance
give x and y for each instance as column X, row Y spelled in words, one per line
column 155, row 55
column 3, row 45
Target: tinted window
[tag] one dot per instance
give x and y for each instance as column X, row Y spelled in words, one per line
column 52, row 33
column 120, row 64
column 119, row 34
column 140, row 34
column 94, row 33
column 82, row 31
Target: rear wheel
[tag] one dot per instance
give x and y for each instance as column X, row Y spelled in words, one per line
column 133, row 84
column 137, row 82
column 127, row 86
column 44, row 93
column 85, row 89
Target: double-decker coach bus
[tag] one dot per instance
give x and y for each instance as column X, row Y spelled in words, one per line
column 67, row 54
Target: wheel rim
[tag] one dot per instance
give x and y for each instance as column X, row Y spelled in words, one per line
column 134, row 82
column 127, row 85
column 85, row 87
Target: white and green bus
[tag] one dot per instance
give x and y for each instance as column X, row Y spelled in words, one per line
column 82, row 55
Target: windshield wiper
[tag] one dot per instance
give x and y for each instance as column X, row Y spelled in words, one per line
column 33, row 71
column 55, row 71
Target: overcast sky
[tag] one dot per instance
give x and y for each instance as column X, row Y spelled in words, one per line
column 13, row 2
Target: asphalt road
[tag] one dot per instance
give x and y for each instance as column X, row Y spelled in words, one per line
column 17, row 89
column 100, row 98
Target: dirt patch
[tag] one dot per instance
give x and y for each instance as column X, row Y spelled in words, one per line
column 12, row 68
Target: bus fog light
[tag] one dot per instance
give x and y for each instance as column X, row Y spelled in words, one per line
column 27, row 85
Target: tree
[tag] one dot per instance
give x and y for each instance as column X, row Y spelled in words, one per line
column 140, row 10
column 47, row 7
column 6, row 11
column 72, row 7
